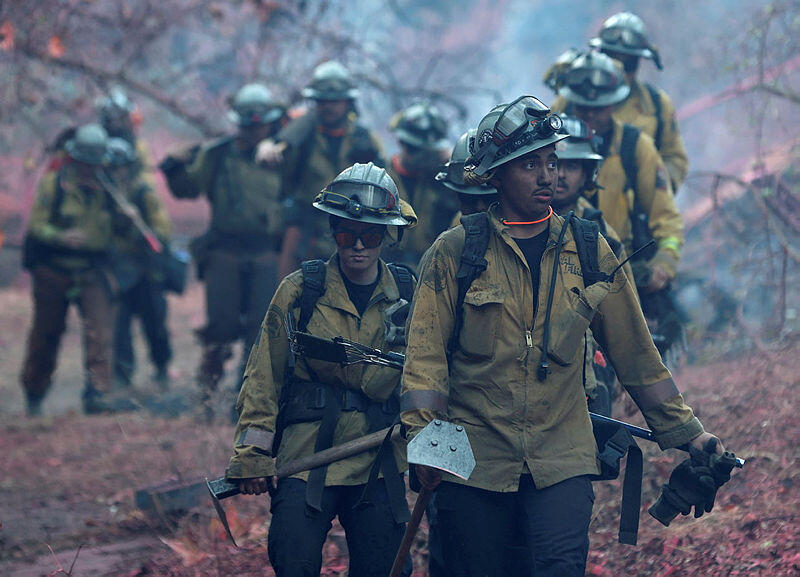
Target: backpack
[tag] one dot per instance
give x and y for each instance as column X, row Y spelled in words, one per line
column 314, row 286
column 656, row 98
column 640, row 221
column 613, row 441
column 326, row 404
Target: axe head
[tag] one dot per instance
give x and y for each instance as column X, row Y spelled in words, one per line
column 444, row 446
column 220, row 511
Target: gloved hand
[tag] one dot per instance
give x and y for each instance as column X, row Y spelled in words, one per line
column 691, row 484
column 694, row 483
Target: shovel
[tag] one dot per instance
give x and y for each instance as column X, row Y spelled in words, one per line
column 441, row 445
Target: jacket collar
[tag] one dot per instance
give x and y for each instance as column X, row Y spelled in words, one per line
column 556, row 223
column 336, row 296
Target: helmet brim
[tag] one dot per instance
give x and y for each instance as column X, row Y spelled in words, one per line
column 463, row 188
column 314, row 94
column 565, row 155
column 412, row 140
column 76, row 154
column 387, row 220
column 607, row 99
column 269, row 118
column 528, row 148
column 600, row 44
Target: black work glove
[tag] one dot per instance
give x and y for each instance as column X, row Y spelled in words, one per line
column 690, row 485
column 695, row 481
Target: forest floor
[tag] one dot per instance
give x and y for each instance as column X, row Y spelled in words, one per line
column 68, row 481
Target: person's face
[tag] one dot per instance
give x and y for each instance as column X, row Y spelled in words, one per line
column 527, row 184
column 118, row 124
column 571, row 180
column 332, row 113
column 599, row 118
column 472, row 203
column 352, row 239
column 630, row 62
column 252, row 134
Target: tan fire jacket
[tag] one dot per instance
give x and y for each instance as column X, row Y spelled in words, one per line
column 63, row 203
column 653, row 191
column 311, row 166
column 515, row 422
column 434, row 204
column 334, row 315
column 245, row 197
column 639, row 110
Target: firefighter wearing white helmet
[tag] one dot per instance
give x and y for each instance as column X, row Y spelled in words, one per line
column 292, row 406
column 237, row 257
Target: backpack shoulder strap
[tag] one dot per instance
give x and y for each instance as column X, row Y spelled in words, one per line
column 656, row 98
column 313, row 288
column 596, row 215
column 627, row 153
column 472, row 265
column 404, row 278
column 58, row 200
column 587, row 234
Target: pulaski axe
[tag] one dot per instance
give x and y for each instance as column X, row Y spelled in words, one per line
column 443, row 446
column 221, row 488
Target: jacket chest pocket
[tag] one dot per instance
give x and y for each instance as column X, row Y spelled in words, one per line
column 570, row 323
column 482, row 310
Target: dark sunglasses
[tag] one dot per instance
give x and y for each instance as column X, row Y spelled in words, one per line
column 347, row 238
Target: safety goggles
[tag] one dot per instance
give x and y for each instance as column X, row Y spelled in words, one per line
column 346, row 238
column 594, row 77
column 359, row 198
column 623, row 36
column 577, row 129
column 517, row 116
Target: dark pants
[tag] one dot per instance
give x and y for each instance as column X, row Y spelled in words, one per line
column 532, row 532
column 53, row 290
column 147, row 301
column 297, row 533
column 239, row 288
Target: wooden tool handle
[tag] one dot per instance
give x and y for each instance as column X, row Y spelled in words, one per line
column 411, row 531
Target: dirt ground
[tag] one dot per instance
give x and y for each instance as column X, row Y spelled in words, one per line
column 67, row 481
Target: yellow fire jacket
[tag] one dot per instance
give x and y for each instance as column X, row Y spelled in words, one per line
column 515, row 422
column 334, row 315
column 653, row 192
column 63, row 203
column 640, row 110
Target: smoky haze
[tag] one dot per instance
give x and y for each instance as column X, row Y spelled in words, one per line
column 181, row 59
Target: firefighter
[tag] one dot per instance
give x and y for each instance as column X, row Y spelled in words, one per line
column 67, row 250
column 237, row 257
column 505, row 359
column 421, row 132
column 624, row 38
column 311, row 150
column 291, row 407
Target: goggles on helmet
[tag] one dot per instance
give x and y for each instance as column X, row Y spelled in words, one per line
column 520, row 123
column 346, row 238
column 594, row 77
column 357, row 199
column 623, row 36
column 517, row 116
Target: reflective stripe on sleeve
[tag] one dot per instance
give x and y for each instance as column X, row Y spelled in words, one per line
column 670, row 243
column 424, row 399
column 650, row 396
column 257, row 438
